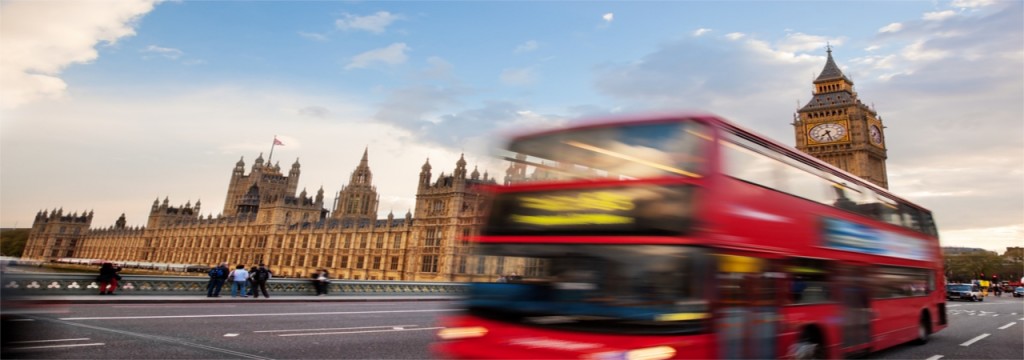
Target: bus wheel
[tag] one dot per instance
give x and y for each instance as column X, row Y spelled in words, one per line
column 924, row 328
column 808, row 347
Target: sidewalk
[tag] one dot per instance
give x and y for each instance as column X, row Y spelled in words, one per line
column 201, row 298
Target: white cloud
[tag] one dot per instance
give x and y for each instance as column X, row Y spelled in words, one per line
column 313, row 36
column 891, row 28
column 800, row 42
column 917, row 51
column 701, row 31
column 528, row 46
column 608, row 17
column 939, row 15
column 376, row 23
column 41, row 38
column 967, row 4
column 734, row 36
column 872, row 48
column 520, row 76
column 393, row 54
column 169, row 53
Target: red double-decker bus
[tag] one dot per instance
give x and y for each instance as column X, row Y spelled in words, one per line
column 690, row 237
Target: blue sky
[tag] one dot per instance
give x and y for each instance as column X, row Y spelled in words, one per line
column 109, row 105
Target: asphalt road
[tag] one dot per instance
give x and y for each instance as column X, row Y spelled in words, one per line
column 993, row 329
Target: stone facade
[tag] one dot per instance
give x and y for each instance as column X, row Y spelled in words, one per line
column 264, row 221
column 835, row 126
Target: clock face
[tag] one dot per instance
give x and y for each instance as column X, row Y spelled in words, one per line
column 876, row 134
column 828, row 132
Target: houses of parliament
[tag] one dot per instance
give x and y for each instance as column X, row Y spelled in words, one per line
column 264, row 220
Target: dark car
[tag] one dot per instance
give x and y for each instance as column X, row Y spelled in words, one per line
column 1018, row 292
column 963, row 292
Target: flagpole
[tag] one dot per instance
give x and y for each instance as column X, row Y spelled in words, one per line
column 271, row 150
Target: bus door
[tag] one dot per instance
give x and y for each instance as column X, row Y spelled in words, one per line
column 857, row 313
column 747, row 319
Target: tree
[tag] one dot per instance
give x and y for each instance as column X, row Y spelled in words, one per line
column 12, row 242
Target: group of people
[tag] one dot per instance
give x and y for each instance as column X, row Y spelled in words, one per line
column 243, row 282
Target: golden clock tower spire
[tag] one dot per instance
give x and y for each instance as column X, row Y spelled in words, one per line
column 835, row 126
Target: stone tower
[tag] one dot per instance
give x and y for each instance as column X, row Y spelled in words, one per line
column 56, row 235
column 358, row 200
column 448, row 212
column 835, row 126
column 264, row 184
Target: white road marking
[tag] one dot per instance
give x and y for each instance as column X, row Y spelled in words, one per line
column 230, row 335
column 42, row 341
column 252, row 315
column 348, row 328
column 22, row 319
column 359, row 332
column 55, row 346
column 936, row 357
column 954, row 305
column 1007, row 325
column 974, row 340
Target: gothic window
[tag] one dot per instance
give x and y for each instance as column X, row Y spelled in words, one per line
column 465, row 237
column 319, row 241
column 429, row 264
column 362, row 241
column 462, row 265
column 330, row 262
column 376, row 263
column 394, row 263
column 315, row 261
column 62, row 229
column 348, row 241
column 380, row 241
column 500, row 268
column 360, row 262
column 300, row 260
column 305, row 241
column 481, row 264
column 433, row 237
column 344, row 262
column 397, row 241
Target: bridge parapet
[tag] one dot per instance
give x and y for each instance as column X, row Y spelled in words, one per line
column 85, row 284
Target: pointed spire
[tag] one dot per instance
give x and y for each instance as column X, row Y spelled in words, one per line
column 296, row 164
column 462, row 161
column 426, row 166
column 241, row 162
column 831, row 70
column 366, row 152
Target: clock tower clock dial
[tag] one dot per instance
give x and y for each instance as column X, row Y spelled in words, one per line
column 828, row 132
column 876, row 134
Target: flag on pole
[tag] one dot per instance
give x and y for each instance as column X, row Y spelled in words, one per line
column 278, row 142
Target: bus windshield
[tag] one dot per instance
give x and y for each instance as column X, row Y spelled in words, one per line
column 621, row 152
column 635, row 289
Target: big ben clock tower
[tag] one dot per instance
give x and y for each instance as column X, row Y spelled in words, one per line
column 837, row 128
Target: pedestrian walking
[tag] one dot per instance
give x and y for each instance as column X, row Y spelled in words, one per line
column 249, row 281
column 217, row 275
column 259, row 279
column 321, row 280
column 239, row 277
column 108, row 278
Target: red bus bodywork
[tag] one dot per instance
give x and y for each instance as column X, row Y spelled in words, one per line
column 742, row 219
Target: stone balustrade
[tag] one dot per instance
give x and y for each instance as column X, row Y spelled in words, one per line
column 85, row 284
